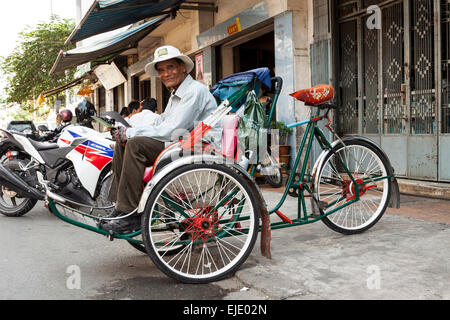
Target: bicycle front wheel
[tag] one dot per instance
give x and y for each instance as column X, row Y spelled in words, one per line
column 356, row 170
column 215, row 218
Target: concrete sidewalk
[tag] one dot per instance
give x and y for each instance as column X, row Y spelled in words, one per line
column 405, row 255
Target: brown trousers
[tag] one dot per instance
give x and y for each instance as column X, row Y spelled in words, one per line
column 128, row 166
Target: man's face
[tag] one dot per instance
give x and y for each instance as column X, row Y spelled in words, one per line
column 171, row 72
column 136, row 110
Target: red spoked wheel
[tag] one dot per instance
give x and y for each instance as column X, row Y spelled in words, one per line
column 217, row 218
column 203, row 225
column 337, row 191
column 349, row 189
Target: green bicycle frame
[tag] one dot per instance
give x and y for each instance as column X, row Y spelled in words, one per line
column 129, row 237
column 312, row 131
column 296, row 181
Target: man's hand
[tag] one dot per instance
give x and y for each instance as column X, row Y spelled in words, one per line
column 120, row 135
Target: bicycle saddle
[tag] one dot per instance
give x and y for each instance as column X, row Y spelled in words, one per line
column 315, row 95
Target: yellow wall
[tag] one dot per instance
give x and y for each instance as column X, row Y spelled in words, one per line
column 183, row 30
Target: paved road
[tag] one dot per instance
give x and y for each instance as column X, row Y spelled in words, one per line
column 405, row 256
column 41, row 257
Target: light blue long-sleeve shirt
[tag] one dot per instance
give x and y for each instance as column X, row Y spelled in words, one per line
column 187, row 107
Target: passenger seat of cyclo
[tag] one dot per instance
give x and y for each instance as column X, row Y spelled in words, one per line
column 227, row 86
column 229, row 139
column 228, row 144
column 229, row 134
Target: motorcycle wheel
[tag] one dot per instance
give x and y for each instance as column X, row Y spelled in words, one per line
column 102, row 196
column 12, row 204
column 275, row 181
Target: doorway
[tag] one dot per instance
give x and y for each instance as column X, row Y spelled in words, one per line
column 256, row 53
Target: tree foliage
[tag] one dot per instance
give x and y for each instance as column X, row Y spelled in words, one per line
column 27, row 68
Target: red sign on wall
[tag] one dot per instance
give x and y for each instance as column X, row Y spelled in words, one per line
column 235, row 27
column 199, row 76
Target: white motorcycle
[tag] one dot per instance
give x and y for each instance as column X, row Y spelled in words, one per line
column 75, row 171
column 72, row 176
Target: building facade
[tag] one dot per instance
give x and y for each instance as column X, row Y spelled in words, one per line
column 387, row 59
column 390, row 65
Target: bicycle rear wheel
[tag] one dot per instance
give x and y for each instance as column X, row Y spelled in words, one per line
column 216, row 217
column 334, row 186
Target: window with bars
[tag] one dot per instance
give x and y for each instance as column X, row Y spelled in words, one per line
column 393, row 32
column 423, row 104
column 445, row 45
column 370, row 76
column 421, row 112
column 348, row 79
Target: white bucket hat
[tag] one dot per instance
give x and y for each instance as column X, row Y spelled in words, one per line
column 166, row 53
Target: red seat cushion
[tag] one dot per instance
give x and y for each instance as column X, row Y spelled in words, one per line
column 315, row 95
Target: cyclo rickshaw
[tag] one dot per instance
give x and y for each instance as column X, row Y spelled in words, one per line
column 201, row 211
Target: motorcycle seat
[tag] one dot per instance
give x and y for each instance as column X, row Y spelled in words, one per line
column 41, row 146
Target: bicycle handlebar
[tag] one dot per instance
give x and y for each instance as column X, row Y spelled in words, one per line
column 277, row 84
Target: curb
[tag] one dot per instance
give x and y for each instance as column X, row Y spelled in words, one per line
column 424, row 188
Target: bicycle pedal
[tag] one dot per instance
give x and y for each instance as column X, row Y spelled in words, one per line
column 293, row 192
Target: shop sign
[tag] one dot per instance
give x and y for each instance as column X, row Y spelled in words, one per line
column 240, row 22
column 235, row 27
column 109, row 75
column 199, row 70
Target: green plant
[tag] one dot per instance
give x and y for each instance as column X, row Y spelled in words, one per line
column 283, row 131
column 26, row 70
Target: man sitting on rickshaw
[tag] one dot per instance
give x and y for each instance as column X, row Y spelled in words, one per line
column 138, row 147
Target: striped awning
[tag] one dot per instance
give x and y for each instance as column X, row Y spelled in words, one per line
column 105, row 47
column 107, row 15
